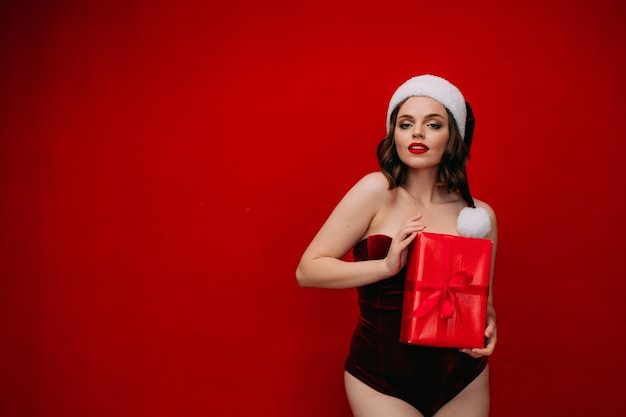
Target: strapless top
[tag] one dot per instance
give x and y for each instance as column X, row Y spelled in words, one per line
column 385, row 294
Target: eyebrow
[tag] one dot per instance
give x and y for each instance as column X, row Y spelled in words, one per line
column 408, row 116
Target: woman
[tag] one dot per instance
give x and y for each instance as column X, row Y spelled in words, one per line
column 422, row 186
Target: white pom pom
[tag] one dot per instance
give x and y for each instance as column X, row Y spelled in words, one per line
column 473, row 222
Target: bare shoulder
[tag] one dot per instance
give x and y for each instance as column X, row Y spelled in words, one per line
column 370, row 189
column 351, row 218
column 362, row 203
column 374, row 182
column 484, row 205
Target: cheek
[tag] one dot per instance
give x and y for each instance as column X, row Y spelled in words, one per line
column 397, row 136
column 443, row 140
column 401, row 142
column 402, row 136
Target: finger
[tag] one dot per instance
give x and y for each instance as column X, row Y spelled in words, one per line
column 489, row 331
column 488, row 349
column 415, row 224
column 406, row 241
column 408, row 231
column 491, row 327
column 413, row 221
column 480, row 352
column 492, row 332
column 471, row 353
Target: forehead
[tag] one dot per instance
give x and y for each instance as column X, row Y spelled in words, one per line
column 422, row 106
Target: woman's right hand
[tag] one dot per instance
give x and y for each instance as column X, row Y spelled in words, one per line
column 397, row 255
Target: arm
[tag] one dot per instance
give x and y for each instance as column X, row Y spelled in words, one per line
column 321, row 264
column 491, row 330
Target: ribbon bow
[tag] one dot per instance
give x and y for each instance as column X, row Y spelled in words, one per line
column 446, row 295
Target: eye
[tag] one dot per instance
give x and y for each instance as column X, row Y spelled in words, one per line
column 434, row 125
column 404, row 125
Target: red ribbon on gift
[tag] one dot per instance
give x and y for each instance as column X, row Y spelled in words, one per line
column 445, row 295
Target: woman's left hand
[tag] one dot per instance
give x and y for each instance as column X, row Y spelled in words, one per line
column 491, row 333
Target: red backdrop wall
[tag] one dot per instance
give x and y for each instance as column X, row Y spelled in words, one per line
column 164, row 165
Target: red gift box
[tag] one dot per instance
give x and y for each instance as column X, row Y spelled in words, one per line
column 446, row 291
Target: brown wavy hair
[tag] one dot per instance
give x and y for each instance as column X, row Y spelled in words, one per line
column 452, row 169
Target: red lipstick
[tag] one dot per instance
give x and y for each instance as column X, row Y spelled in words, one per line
column 417, row 148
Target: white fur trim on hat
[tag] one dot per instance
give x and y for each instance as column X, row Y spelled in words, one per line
column 473, row 222
column 436, row 88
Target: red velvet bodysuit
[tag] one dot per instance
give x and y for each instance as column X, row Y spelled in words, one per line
column 424, row 377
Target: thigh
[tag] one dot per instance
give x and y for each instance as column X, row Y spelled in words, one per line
column 367, row 402
column 473, row 401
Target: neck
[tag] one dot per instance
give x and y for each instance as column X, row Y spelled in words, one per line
column 423, row 186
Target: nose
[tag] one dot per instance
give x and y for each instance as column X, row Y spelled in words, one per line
column 418, row 131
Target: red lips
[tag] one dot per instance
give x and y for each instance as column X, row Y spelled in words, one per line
column 417, row 148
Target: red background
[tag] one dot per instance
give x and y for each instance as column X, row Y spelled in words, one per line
column 164, row 165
